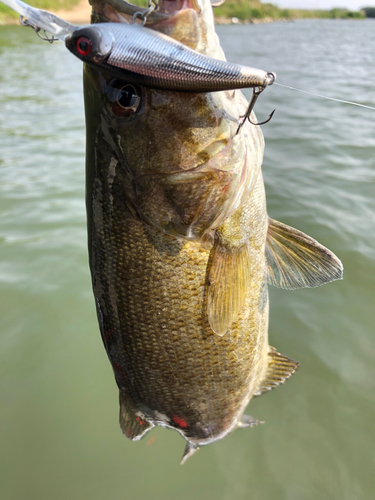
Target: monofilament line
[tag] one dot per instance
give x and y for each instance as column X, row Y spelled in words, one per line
column 325, row 97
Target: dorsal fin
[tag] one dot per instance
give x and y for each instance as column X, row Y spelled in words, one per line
column 190, row 449
column 296, row 261
column 132, row 421
column 280, row 368
column 228, row 283
column 248, row 421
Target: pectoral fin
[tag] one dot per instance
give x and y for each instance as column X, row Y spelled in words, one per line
column 296, row 261
column 280, row 368
column 132, row 421
column 228, row 282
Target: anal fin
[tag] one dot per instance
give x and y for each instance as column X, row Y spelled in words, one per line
column 297, row 261
column 132, row 421
column 280, row 368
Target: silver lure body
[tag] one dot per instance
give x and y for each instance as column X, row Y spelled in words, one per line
column 145, row 57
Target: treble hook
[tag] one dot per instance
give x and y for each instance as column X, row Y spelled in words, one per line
column 37, row 30
column 256, row 93
column 152, row 5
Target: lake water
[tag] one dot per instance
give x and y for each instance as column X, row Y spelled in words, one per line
column 60, row 437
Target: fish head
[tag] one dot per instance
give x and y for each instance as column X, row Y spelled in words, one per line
column 181, row 165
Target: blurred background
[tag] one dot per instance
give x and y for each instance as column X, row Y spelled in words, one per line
column 60, row 437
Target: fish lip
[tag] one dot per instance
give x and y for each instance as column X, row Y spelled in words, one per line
column 159, row 15
column 195, row 5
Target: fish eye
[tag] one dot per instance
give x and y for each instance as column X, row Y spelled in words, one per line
column 128, row 97
column 84, row 46
column 125, row 98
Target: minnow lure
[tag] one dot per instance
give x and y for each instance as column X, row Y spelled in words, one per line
column 145, row 57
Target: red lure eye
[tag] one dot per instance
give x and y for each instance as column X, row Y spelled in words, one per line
column 83, row 46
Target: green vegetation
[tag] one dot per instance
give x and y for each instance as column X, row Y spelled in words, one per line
column 244, row 10
column 250, row 9
column 369, row 11
column 328, row 14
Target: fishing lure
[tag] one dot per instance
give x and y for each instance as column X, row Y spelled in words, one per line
column 145, row 57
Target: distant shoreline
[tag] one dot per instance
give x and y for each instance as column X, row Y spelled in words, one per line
column 234, row 20
column 231, row 12
column 227, row 20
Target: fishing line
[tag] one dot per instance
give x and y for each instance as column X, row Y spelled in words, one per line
column 325, row 97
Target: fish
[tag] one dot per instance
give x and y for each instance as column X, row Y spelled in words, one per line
column 181, row 248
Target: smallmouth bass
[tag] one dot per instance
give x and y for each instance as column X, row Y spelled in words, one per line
column 181, row 247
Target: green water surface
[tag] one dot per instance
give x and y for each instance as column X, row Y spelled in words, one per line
column 59, row 432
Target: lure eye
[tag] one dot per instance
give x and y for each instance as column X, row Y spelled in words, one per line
column 84, row 46
column 126, row 99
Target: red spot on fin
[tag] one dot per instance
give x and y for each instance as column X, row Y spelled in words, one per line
column 140, row 420
column 179, row 421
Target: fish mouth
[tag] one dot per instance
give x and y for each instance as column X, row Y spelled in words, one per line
column 165, row 9
column 183, row 20
column 172, row 6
